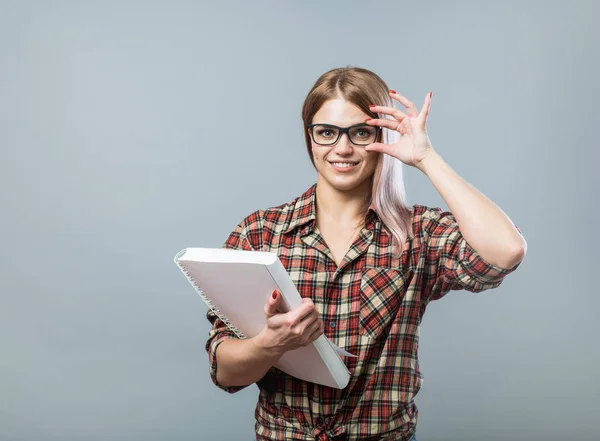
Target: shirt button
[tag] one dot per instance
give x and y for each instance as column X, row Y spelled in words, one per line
column 332, row 324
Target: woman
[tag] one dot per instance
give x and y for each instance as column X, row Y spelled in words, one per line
column 365, row 263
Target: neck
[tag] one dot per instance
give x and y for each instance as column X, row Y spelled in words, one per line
column 345, row 208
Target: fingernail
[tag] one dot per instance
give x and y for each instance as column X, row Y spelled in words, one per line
column 392, row 91
column 275, row 294
column 368, row 119
column 430, row 94
column 372, row 105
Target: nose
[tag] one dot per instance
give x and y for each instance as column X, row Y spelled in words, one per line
column 343, row 145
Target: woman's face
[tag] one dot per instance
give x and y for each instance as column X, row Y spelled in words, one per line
column 344, row 166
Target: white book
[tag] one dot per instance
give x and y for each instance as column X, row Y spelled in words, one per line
column 236, row 285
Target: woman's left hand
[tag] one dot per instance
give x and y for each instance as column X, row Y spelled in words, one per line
column 414, row 145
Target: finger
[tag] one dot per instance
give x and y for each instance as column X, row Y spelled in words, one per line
column 380, row 147
column 291, row 321
column 309, row 320
column 425, row 110
column 411, row 109
column 308, row 333
column 391, row 124
column 316, row 333
column 392, row 111
column 271, row 308
column 308, row 327
column 299, row 313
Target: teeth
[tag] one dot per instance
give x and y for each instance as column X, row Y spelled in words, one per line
column 344, row 164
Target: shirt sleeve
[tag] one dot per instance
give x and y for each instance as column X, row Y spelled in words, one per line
column 246, row 236
column 450, row 262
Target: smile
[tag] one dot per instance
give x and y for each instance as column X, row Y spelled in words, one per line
column 343, row 166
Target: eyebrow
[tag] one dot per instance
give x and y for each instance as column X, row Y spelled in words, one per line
column 341, row 127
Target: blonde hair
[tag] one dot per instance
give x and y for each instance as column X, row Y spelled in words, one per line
column 363, row 87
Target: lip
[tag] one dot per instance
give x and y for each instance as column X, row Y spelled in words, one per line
column 344, row 169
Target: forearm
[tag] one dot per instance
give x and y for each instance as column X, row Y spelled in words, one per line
column 482, row 223
column 242, row 361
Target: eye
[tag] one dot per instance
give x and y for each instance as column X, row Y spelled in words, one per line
column 325, row 133
column 363, row 132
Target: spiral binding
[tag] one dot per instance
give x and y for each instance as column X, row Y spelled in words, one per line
column 206, row 300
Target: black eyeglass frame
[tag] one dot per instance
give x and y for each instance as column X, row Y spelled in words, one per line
column 341, row 131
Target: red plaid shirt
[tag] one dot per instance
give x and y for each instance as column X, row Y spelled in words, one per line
column 371, row 306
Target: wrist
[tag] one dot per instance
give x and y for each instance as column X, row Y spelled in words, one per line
column 432, row 161
column 263, row 348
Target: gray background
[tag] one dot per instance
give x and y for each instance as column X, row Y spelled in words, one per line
column 130, row 130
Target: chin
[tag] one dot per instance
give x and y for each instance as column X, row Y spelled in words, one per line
column 346, row 183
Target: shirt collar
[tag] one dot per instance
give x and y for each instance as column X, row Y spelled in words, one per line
column 304, row 212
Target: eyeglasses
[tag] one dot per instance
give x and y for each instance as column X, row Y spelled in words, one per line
column 358, row 134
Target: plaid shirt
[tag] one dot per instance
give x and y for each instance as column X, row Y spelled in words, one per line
column 371, row 306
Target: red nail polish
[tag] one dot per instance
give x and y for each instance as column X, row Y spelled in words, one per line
column 275, row 294
column 372, row 105
column 430, row 94
column 392, row 91
column 368, row 119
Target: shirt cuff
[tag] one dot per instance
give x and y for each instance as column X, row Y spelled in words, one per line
column 212, row 344
column 482, row 274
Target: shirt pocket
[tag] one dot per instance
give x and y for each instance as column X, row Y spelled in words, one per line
column 381, row 293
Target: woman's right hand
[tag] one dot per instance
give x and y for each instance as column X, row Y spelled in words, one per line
column 290, row 330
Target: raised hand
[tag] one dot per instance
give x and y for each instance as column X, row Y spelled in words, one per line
column 414, row 145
